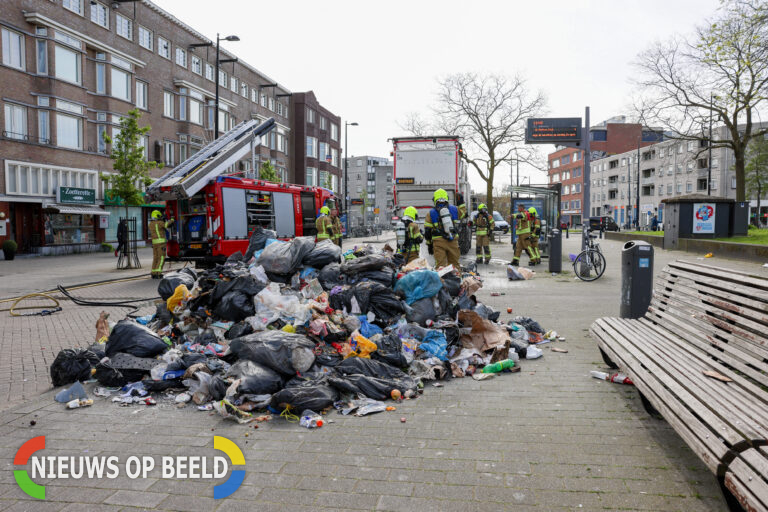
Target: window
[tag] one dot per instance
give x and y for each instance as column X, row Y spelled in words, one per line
column 15, row 122
column 197, row 65
column 181, row 57
column 67, row 64
column 43, row 127
column 679, row 169
column 701, row 184
column 233, row 85
column 334, row 157
column 272, row 104
column 733, row 182
column 121, row 84
column 168, row 153
column 334, row 132
column 576, row 157
column 679, row 149
column 264, row 100
column 323, row 123
column 141, row 94
column 100, row 14
column 163, row 48
column 68, row 131
column 689, row 187
column 713, row 185
column 101, row 131
column 323, row 150
column 195, row 112
column 566, row 159
column 311, row 172
column 554, row 164
column 254, row 96
column 679, row 188
column 42, row 56
column 577, row 188
column 145, row 38
column 310, row 115
column 13, row 49
column 243, row 90
column 124, row 26
column 577, row 172
column 182, row 152
column 312, row 147
column 692, row 145
column 222, row 79
column 101, row 79
column 168, row 104
column 73, row 5
column 281, row 146
column 209, row 72
column 183, row 105
column 279, row 108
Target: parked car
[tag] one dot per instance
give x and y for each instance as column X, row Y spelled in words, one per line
column 499, row 224
column 605, row 223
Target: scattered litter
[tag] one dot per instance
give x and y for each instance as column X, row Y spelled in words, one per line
column 75, row 392
column 75, row 404
column 716, row 375
column 708, row 255
column 310, row 419
column 561, row 350
column 617, row 378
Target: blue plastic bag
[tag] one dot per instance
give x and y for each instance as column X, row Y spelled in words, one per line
column 367, row 329
column 435, row 345
column 419, row 284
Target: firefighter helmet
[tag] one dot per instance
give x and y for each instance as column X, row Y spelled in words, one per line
column 156, row 214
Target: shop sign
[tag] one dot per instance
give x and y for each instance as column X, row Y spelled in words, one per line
column 72, row 195
column 703, row 218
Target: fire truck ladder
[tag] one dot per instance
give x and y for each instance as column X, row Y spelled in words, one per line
column 189, row 177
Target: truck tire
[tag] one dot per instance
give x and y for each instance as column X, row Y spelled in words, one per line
column 465, row 238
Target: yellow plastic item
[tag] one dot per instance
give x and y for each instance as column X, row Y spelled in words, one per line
column 288, row 328
column 181, row 293
column 362, row 346
column 708, row 255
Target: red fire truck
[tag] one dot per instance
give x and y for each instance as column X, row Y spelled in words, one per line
column 215, row 214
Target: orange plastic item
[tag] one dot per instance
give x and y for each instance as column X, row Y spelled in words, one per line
column 181, row 293
column 362, row 347
column 391, row 408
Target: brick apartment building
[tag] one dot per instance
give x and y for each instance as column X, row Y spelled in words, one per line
column 608, row 138
column 70, row 69
column 316, row 142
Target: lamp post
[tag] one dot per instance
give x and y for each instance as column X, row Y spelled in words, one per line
column 216, row 77
column 346, row 175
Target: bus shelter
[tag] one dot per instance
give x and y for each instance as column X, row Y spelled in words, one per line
column 547, row 203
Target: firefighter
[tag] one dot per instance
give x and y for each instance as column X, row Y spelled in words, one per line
column 523, row 231
column 324, row 224
column 534, row 253
column 483, row 227
column 337, row 231
column 440, row 231
column 412, row 245
column 157, row 233
column 461, row 205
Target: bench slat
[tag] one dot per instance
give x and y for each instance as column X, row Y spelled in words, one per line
column 729, row 291
column 756, row 487
column 726, row 274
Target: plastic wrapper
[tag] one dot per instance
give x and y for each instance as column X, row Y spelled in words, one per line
column 324, row 253
column 271, row 303
column 199, row 387
column 529, row 324
column 132, row 338
column 72, row 365
column 285, row 257
column 368, row 329
column 419, row 284
column 330, row 276
column 365, row 263
column 435, row 344
column 283, row 352
column 180, row 294
column 172, row 280
column 258, row 241
column 299, row 398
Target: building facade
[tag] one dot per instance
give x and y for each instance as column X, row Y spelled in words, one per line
column 70, row 70
column 316, row 143
column 370, row 190
column 610, row 137
column 666, row 169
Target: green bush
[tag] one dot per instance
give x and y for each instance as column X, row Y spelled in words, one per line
column 752, row 226
column 10, row 246
column 105, row 247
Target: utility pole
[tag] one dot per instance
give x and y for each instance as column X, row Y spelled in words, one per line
column 709, row 151
column 637, row 191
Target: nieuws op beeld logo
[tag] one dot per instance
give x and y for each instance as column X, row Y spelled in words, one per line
column 69, row 467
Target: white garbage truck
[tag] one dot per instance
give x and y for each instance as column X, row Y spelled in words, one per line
column 425, row 164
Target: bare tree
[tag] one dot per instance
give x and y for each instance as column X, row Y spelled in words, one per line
column 489, row 112
column 721, row 72
column 416, row 125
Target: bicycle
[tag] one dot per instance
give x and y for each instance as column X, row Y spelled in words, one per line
column 589, row 265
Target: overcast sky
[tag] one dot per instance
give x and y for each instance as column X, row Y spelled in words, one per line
column 373, row 62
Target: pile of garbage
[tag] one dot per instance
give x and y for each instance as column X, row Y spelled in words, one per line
column 294, row 327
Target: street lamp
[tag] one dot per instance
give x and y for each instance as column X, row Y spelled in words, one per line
column 216, row 78
column 346, row 175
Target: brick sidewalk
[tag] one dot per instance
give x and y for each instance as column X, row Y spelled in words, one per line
column 547, row 438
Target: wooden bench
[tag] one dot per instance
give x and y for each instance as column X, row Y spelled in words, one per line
column 704, row 318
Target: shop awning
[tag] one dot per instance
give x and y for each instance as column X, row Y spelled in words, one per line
column 76, row 210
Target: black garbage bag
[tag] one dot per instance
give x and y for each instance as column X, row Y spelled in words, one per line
column 452, row 284
column 381, row 300
column 238, row 330
column 421, row 311
column 285, row 258
column 448, row 305
column 217, row 388
column 330, row 276
column 322, row 254
column 133, row 368
column 130, row 337
column 300, row 398
column 258, row 240
column 234, row 306
column 329, row 360
column 283, row 352
column 234, row 258
column 343, row 298
column 308, row 380
column 372, row 387
column 72, row 365
column 243, row 284
column 385, row 276
column 369, row 367
column 171, row 280
column 186, row 361
column 529, row 324
column 98, row 349
column 390, row 351
column 162, row 385
column 108, row 375
column 365, row 263
column 162, row 314
column 260, row 381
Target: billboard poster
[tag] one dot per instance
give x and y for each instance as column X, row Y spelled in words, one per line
column 703, row 218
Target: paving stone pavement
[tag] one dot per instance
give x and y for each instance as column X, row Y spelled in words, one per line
column 546, row 438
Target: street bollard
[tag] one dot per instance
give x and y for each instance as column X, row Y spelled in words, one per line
column 555, row 251
column 636, row 278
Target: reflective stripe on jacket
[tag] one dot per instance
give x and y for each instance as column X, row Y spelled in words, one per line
column 324, row 227
column 483, row 223
column 157, row 232
column 523, row 225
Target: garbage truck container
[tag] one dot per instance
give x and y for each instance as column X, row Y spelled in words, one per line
column 636, row 278
column 555, row 251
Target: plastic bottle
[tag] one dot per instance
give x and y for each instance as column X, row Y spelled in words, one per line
column 74, row 404
column 498, row 366
column 311, row 419
column 618, row 378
